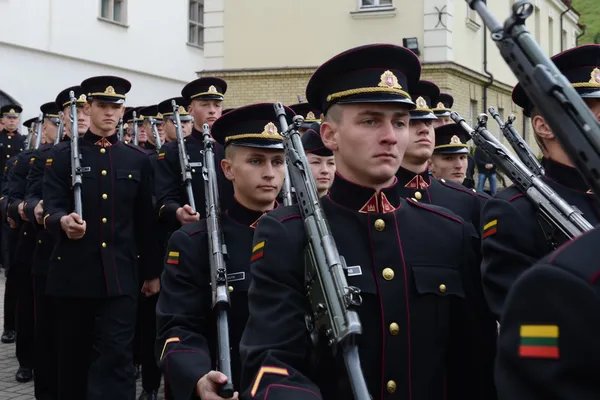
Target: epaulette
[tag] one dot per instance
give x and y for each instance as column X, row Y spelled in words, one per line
column 285, row 213
column 137, row 148
column 461, row 188
column 194, row 228
column 510, row 193
column 570, row 257
column 434, row 209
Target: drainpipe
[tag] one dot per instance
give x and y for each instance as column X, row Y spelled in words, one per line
column 582, row 27
column 569, row 4
column 488, row 73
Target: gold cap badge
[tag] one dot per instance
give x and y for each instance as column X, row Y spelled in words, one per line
column 455, row 140
column 270, row 129
column 421, row 103
column 82, row 98
column 441, row 105
column 159, row 115
column 12, row 111
column 109, row 90
column 389, row 80
column 181, row 110
column 310, row 115
column 595, row 76
column 212, row 89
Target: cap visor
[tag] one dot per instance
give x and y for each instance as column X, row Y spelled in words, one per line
column 416, row 115
column 452, row 150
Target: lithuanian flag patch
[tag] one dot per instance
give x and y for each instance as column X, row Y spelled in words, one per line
column 539, row 341
column 258, row 251
column 49, row 162
column 31, row 160
column 161, row 156
column 173, row 258
column 490, row 228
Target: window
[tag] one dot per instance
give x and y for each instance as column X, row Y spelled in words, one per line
column 538, row 25
column 472, row 20
column 550, row 37
column 114, row 10
column 196, row 23
column 473, row 113
column 375, row 3
column 501, row 114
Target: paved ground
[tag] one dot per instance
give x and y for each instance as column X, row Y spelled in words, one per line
column 9, row 388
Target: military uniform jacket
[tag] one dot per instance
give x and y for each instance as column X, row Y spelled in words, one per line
column 11, row 144
column 463, row 202
column 33, row 195
column 187, row 340
column 4, row 199
column 117, row 200
column 414, row 265
column 513, row 236
column 548, row 344
column 169, row 189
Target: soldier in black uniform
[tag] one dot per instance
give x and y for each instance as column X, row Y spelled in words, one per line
column 310, row 114
column 166, row 110
column 93, row 274
column 147, row 113
column 320, row 159
column 414, row 263
column 128, row 119
column 205, row 96
column 443, row 109
column 514, row 237
column 449, row 158
column 186, row 344
column 548, row 346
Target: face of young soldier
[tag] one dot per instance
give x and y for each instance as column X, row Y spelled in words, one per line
column 170, row 131
column 49, row 131
column 83, row 120
column 205, row 112
column 257, row 174
column 368, row 139
column 421, row 141
column 451, row 167
column 441, row 121
column 104, row 117
column 11, row 123
column 323, row 171
column 142, row 133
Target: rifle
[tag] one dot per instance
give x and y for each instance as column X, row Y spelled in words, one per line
column 120, row 133
column 553, row 209
column 520, row 146
column 184, row 161
column 76, row 172
column 156, row 135
column 218, row 267
column 38, row 128
column 61, row 129
column 553, row 95
column 334, row 302
column 29, row 137
column 136, row 139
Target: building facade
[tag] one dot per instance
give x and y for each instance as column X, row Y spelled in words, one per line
column 47, row 45
column 267, row 49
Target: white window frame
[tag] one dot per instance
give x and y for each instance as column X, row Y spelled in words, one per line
column 472, row 19
column 197, row 24
column 111, row 10
column 377, row 5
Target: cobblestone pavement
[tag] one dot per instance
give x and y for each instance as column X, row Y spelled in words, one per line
column 10, row 389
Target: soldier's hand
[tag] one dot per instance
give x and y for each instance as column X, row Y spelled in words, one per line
column 21, row 209
column 186, row 215
column 39, row 212
column 11, row 222
column 151, row 287
column 73, row 225
column 208, row 386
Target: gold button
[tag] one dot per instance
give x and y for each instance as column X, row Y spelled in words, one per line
column 443, row 288
column 388, row 274
column 58, row 258
column 394, row 328
column 418, row 195
column 193, row 170
column 474, row 191
column 443, row 180
column 10, row 137
column 130, row 176
column 8, row 146
column 102, row 150
column 230, row 288
column 7, row 156
column 105, row 196
column 379, row 225
column 104, row 244
column 24, row 233
column 39, row 241
column 391, row 386
column 104, row 172
column 104, row 220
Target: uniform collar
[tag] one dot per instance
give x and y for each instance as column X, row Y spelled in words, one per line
column 411, row 180
column 196, row 134
column 564, row 175
column 99, row 140
column 148, row 146
column 7, row 133
column 364, row 199
column 243, row 215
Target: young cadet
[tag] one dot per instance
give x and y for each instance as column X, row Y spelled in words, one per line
column 310, row 114
column 414, row 263
column 147, row 113
column 128, row 119
column 166, row 110
column 205, row 96
column 320, row 159
column 443, row 109
column 186, row 345
column 514, row 237
column 449, row 159
column 11, row 142
column 414, row 178
column 94, row 266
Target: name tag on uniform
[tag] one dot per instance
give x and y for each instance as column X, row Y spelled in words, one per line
column 236, row 276
column 196, row 164
column 354, row 270
column 86, row 169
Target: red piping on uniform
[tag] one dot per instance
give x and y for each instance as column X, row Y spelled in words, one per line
column 289, row 387
column 290, row 217
column 516, row 197
column 380, row 306
column 34, row 304
column 112, row 202
column 407, row 306
column 197, row 232
column 438, row 213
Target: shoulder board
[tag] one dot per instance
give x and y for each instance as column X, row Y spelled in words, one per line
column 285, row 213
column 575, row 257
column 194, row 228
column 137, row 148
column 461, row 188
column 510, row 193
column 434, row 209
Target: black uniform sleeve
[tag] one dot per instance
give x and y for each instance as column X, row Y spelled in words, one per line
column 34, row 190
column 511, row 244
column 548, row 343
column 4, row 199
column 147, row 241
column 57, row 191
column 181, row 348
column 275, row 345
column 17, row 184
column 167, row 186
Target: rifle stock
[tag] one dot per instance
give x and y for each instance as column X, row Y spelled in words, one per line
column 76, row 179
column 184, row 162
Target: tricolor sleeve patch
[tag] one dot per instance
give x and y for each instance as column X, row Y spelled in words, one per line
column 161, row 156
column 267, row 370
column 49, row 162
column 539, row 341
column 31, row 160
column 258, row 251
column 491, row 228
column 173, row 257
column 169, row 340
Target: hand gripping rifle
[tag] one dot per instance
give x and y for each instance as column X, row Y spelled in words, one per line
column 38, row 134
column 61, row 129
column 157, row 142
column 184, row 162
column 553, row 95
column 334, row 302
column 520, row 146
column 76, row 171
column 553, row 209
column 136, row 139
column 218, row 267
